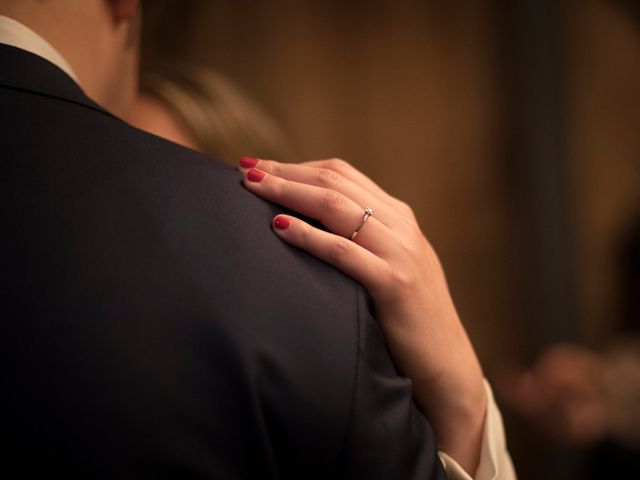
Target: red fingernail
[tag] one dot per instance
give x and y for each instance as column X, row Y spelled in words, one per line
column 248, row 162
column 254, row 175
column 281, row 223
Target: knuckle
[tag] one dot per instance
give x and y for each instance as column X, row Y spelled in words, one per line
column 414, row 230
column 413, row 250
column 272, row 167
column 338, row 164
column 400, row 278
column 303, row 235
column 405, row 208
column 383, row 279
column 278, row 186
column 340, row 249
column 332, row 200
column 328, row 177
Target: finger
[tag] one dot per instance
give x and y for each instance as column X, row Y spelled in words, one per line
column 349, row 171
column 338, row 213
column 325, row 178
column 347, row 256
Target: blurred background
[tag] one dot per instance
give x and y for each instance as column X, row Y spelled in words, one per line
column 511, row 127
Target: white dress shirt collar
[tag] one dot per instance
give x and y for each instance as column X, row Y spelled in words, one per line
column 20, row 36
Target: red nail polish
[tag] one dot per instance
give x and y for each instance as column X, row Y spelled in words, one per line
column 281, row 223
column 248, row 162
column 254, row 175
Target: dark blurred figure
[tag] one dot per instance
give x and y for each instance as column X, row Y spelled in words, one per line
column 618, row 454
column 585, row 398
column 589, row 399
column 629, row 266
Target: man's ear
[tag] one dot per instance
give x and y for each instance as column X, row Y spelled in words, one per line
column 123, row 10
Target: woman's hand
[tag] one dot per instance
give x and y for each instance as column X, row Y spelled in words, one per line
column 393, row 260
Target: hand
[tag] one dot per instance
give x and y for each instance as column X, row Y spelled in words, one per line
column 393, row 260
column 563, row 394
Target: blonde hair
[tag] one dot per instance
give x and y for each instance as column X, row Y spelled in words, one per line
column 222, row 121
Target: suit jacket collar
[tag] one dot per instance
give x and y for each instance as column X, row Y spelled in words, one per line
column 22, row 70
column 17, row 34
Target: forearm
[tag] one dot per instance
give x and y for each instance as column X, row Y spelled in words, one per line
column 457, row 419
column 448, row 383
column 456, row 405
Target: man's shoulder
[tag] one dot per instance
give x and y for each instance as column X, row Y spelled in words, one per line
column 204, row 212
column 183, row 206
column 221, row 237
column 185, row 219
column 170, row 325
column 164, row 250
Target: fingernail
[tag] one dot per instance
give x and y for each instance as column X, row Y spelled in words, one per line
column 281, row 223
column 248, row 162
column 254, row 175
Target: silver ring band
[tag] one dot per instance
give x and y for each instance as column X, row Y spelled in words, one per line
column 367, row 213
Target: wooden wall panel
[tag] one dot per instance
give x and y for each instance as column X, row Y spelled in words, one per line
column 414, row 94
column 408, row 92
column 604, row 149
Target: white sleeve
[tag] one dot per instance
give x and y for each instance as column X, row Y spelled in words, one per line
column 495, row 462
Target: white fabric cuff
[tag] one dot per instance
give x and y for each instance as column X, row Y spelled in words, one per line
column 495, row 462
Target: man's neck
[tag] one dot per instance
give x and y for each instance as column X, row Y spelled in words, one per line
column 20, row 36
column 84, row 36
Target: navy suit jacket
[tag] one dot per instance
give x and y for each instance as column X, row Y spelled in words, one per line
column 153, row 326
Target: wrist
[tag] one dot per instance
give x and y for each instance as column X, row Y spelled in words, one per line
column 459, row 425
column 455, row 402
